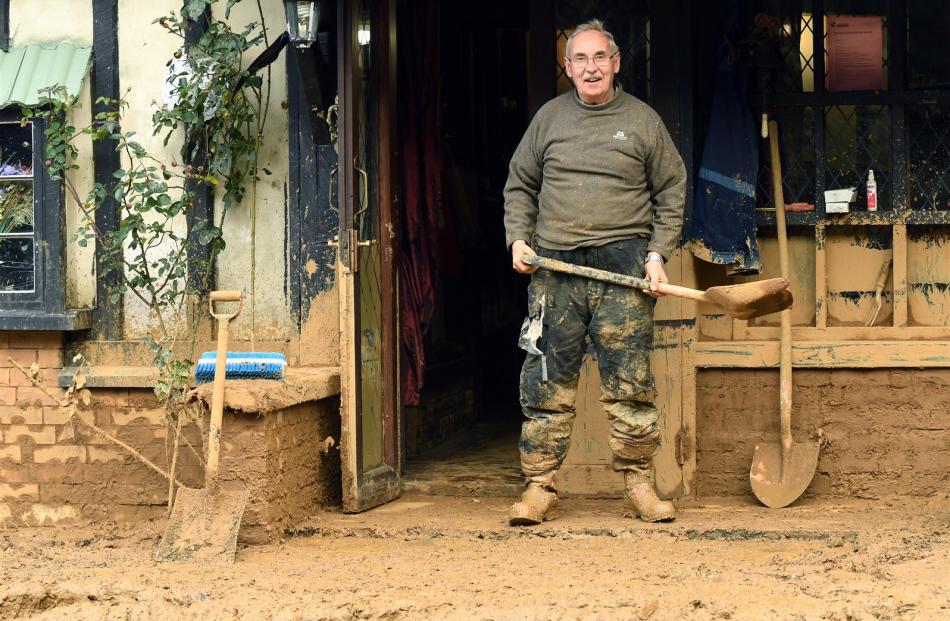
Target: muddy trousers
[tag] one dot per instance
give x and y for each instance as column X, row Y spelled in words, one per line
column 563, row 313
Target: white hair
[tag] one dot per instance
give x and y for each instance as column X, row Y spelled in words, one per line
column 593, row 25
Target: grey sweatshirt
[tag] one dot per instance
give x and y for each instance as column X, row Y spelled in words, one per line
column 587, row 175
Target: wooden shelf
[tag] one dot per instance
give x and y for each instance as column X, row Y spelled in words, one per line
column 823, row 354
column 870, row 218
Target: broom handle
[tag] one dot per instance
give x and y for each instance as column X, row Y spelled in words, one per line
column 785, row 345
column 617, row 279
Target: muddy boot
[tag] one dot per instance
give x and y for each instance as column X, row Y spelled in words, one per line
column 536, row 505
column 640, row 499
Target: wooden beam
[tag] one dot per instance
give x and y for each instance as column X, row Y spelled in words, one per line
column 4, row 24
column 201, row 274
column 851, row 333
column 821, row 278
column 825, row 354
column 109, row 315
column 899, row 274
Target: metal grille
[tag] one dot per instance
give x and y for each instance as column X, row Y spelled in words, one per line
column 928, row 161
column 797, row 151
column 629, row 22
column 858, row 139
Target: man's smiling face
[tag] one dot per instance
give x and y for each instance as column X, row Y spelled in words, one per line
column 594, row 81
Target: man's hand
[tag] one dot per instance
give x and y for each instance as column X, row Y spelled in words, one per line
column 655, row 274
column 521, row 249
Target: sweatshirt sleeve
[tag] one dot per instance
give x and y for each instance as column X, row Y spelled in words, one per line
column 667, row 176
column 523, row 187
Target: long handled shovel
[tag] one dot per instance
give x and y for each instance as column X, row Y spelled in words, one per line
column 204, row 523
column 781, row 471
column 744, row 301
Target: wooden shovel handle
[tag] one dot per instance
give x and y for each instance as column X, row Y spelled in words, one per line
column 217, row 390
column 227, row 295
column 231, row 295
column 617, row 279
column 785, row 343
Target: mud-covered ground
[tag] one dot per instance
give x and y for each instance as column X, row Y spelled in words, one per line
column 454, row 558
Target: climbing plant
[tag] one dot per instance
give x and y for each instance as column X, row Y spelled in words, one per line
column 216, row 107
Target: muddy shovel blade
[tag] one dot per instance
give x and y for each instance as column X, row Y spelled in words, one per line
column 203, row 527
column 778, row 480
column 752, row 299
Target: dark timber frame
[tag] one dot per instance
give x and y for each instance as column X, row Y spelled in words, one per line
column 199, row 255
column 109, row 315
column 4, row 24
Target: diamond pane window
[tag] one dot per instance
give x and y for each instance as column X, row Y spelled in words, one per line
column 797, row 151
column 858, row 139
column 17, row 263
column 780, row 47
column 806, row 52
column 928, row 161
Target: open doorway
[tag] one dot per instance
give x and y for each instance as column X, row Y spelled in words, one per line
column 462, row 426
column 472, row 74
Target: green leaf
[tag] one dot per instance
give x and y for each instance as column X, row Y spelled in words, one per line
column 207, row 235
column 194, row 9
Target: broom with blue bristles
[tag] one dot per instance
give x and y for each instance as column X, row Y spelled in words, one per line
column 243, row 365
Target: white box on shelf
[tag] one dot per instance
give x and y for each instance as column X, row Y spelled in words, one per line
column 837, row 207
column 842, row 195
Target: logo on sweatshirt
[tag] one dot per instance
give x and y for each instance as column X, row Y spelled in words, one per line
column 620, row 135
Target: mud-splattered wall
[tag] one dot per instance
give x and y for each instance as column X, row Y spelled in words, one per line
column 256, row 231
column 887, row 430
column 39, row 21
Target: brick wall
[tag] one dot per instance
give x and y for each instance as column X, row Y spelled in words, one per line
column 53, row 471
column 289, row 460
column 887, row 430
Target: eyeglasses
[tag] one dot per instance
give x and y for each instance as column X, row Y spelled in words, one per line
column 600, row 59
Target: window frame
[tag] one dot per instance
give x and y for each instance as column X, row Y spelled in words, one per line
column 44, row 307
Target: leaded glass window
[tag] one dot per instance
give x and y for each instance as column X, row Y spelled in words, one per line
column 17, row 233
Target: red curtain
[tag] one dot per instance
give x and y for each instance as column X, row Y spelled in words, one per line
column 419, row 90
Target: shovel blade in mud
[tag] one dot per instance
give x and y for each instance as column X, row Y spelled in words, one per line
column 203, row 527
column 780, row 475
column 752, row 299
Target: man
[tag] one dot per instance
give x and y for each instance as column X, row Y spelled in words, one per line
column 595, row 181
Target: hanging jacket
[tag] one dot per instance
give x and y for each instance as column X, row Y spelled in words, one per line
column 723, row 224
